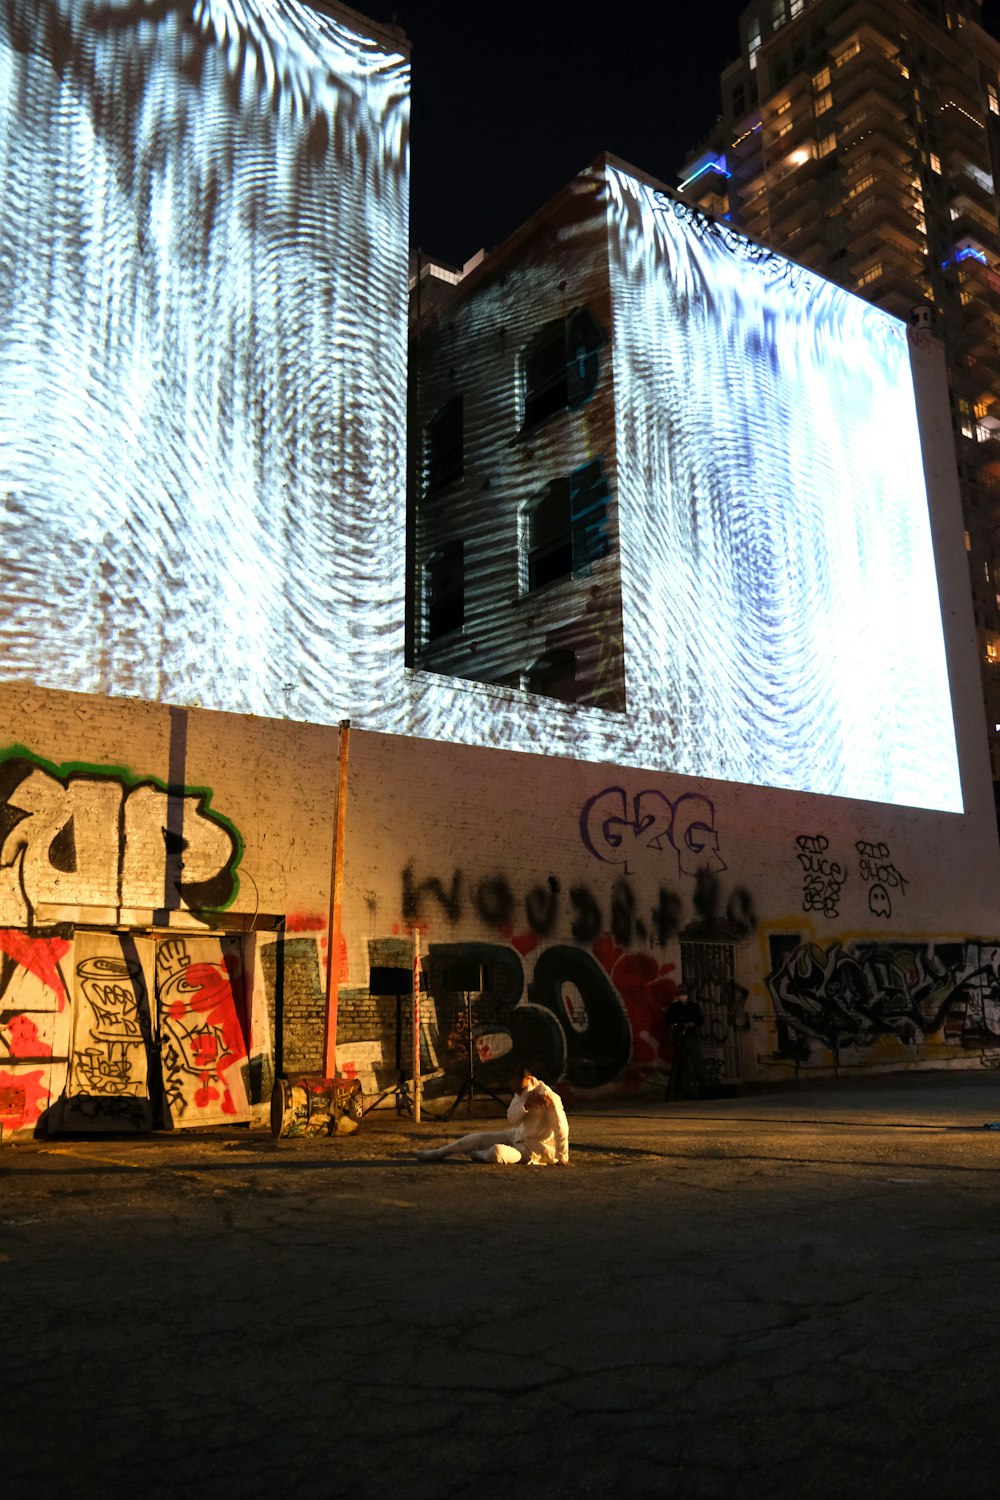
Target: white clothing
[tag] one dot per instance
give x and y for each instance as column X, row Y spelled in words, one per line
column 538, row 1134
column 540, row 1127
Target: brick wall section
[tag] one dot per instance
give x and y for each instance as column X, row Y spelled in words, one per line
column 372, row 1018
column 296, row 998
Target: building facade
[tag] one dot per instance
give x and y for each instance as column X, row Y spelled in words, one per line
column 203, row 373
column 753, row 443
column 863, row 140
column 202, row 438
column 689, row 690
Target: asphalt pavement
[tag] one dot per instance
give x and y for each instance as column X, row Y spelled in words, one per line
column 792, row 1293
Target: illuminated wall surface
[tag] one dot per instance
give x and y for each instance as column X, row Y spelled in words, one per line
column 779, row 594
column 203, row 230
column 782, row 618
column 202, row 367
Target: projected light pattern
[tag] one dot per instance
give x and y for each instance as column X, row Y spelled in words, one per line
column 202, row 351
column 779, row 592
column 202, row 388
column 778, row 557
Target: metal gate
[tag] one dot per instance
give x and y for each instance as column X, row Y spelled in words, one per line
column 708, row 969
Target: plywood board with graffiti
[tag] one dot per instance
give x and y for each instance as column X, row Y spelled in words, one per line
column 203, row 1030
column 107, row 1086
column 34, row 1026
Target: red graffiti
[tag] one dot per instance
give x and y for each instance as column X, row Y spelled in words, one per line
column 525, row 942
column 22, row 1098
column 210, row 997
column 300, row 921
column 646, row 989
column 24, row 1038
column 40, row 956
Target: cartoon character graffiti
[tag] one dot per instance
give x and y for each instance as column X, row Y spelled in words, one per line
column 204, row 1051
column 876, row 868
column 114, row 1061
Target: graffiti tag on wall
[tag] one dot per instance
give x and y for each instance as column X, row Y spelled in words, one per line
column 577, row 985
column 822, row 878
column 582, row 1018
column 877, row 870
column 853, row 994
column 204, row 1047
column 90, row 836
column 546, row 908
column 614, row 830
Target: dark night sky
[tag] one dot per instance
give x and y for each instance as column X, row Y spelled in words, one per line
column 511, row 99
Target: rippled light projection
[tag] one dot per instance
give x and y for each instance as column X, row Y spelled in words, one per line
column 781, row 622
column 778, row 552
column 202, row 388
column 203, row 221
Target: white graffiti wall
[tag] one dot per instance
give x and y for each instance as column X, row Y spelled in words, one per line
column 817, row 933
column 573, row 899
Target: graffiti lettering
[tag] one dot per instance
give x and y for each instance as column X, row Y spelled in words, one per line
column 494, row 902
column 852, row 994
column 450, row 901
column 623, row 920
column 666, row 917
column 613, row 832
column 541, row 907
column 588, row 922
column 731, row 917
column 882, row 876
column 98, row 838
column 740, row 918
column 573, row 986
column 823, row 879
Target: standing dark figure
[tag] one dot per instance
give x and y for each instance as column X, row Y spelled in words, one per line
column 687, row 1068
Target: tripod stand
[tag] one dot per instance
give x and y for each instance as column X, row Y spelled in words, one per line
column 398, row 982
column 471, row 982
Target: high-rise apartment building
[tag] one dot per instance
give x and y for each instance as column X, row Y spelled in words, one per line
column 862, row 138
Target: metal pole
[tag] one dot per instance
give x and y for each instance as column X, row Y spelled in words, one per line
column 417, row 1084
column 336, row 904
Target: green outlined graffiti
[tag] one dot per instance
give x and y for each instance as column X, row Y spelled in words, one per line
column 79, row 834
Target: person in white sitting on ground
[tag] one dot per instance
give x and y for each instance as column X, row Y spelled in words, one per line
column 537, row 1135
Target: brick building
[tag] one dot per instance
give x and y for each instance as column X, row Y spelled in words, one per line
column 689, row 689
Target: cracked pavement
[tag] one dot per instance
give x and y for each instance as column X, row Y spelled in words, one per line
column 790, row 1294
